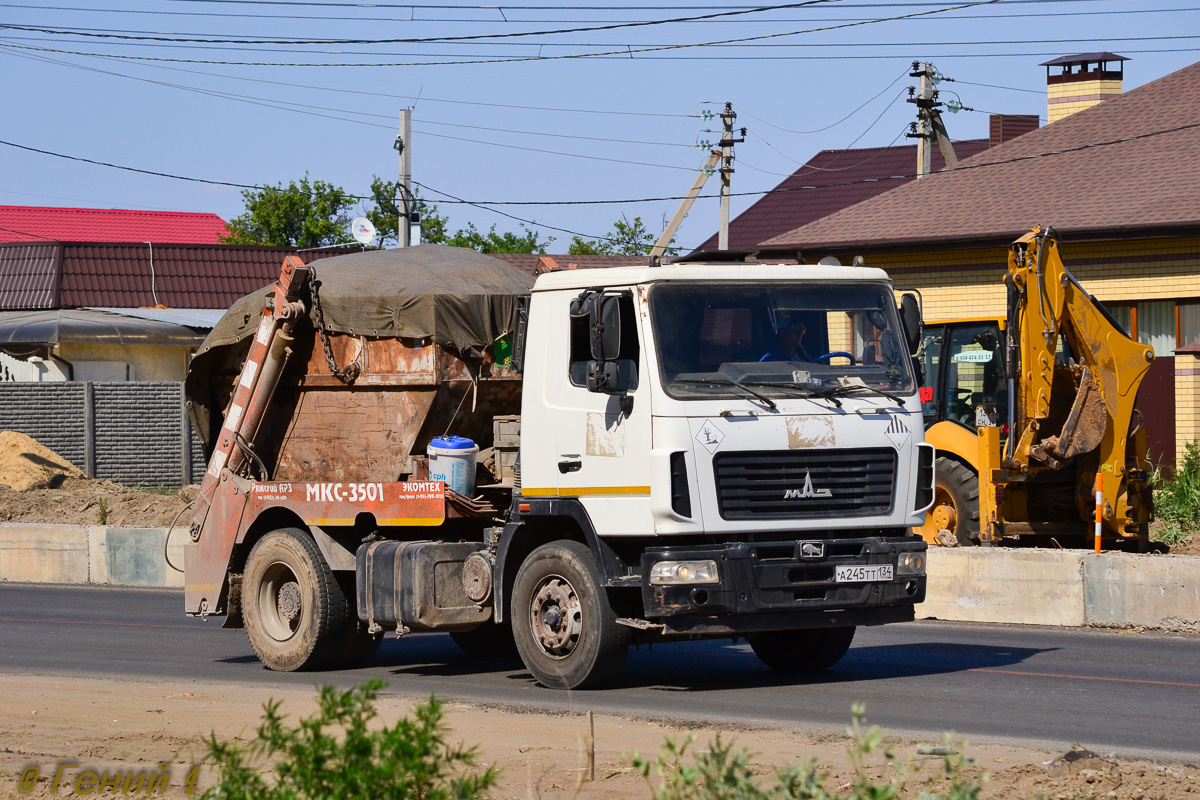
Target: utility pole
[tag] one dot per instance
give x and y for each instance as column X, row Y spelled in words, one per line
column 727, row 142
column 929, row 127
column 685, row 205
column 404, row 145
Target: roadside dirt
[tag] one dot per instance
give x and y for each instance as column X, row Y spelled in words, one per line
column 133, row 726
column 80, row 501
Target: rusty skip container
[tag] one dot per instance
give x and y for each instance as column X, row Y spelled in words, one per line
column 398, row 346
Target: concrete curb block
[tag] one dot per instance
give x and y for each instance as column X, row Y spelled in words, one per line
column 92, row 554
column 1063, row 587
column 970, row 584
column 1037, row 587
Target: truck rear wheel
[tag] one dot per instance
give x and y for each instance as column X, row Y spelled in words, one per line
column 296, row 614
column 809, row 650
column 564, row 628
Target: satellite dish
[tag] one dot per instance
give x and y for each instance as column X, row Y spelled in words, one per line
column 362, row 230
column 829, row 261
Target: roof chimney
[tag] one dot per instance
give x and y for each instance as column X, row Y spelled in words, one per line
column 1074, row 83
column 1010, row 126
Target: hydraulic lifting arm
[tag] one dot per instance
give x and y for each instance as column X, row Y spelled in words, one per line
column 208, row 553
column 1066, row 413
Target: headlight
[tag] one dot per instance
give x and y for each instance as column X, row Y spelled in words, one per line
column 683, row 572
column 911, row 563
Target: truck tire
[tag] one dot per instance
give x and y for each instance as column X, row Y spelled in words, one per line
column 489, row 639
column 800, row 651
column 297, row 616
column 956, row 487
column 564, row 628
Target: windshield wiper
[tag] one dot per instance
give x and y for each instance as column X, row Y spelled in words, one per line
column 729, row 382
column 894, row 398
column 809, row 389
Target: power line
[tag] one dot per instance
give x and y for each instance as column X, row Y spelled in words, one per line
column 777, row 190
column 343, row 91
column 628, row 51
column 494, row 20
column 385, row 95
column 831, row 125
column 619, row 55
column 557, row 153
column 437, row 39
column 994, row 86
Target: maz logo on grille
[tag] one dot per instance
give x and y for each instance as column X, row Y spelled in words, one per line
column 807, row 491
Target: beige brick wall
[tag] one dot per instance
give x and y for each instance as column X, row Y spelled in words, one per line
column 1095, row 92
column 1187, row 402
column 970, row 283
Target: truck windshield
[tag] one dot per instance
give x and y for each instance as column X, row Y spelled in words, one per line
column 781, row 340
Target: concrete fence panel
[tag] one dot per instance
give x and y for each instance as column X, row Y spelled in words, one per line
column 127, row 432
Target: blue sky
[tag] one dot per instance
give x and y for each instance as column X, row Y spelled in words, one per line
column 529, row 119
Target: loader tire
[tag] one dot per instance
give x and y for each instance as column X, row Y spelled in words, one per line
column 297, row 616
column 810, row 650
column 955, row 505
column 564, row 627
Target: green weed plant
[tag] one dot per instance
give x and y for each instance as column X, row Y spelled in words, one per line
column 1177, row 502
column 337, row 754
column 722, row 773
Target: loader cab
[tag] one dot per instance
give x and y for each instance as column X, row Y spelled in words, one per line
column 964, row 368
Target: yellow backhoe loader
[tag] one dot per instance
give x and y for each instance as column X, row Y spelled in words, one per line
column 1033, row 416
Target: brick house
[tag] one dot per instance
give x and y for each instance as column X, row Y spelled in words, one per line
column 1117, row 179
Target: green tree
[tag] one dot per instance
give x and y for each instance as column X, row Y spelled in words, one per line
column 492, row 242
column 628, row 238
column 302, row 214
column 384, row 214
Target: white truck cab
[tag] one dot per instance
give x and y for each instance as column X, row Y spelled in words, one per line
column 739, row 444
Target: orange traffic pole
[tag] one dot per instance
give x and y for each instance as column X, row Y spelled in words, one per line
column 1099, row 509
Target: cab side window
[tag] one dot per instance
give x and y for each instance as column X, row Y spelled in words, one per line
column 629, row 357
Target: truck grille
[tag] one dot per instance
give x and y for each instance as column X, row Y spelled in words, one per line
column 792, row 484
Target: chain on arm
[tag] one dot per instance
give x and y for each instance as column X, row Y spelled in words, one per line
column 350, row 373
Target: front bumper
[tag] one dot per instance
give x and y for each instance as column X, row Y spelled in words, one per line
column 781, row 580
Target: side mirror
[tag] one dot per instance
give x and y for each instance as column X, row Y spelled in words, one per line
column 604, row 322
column 910, row 320
column 603, row 376
column 605, row 328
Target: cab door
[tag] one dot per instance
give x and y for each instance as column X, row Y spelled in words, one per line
column 604, row 449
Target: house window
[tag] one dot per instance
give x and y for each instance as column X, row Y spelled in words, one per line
column 1156, row 326
column 1189, row 323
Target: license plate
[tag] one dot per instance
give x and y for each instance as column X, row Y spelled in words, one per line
column 847, row 573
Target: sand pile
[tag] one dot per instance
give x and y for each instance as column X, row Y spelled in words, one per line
column 25, row 464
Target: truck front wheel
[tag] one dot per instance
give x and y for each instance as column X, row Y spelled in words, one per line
column 809, row 650
column 296, row 614
column 565, row 629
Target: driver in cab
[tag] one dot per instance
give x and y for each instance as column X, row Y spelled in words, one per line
column 789, row 340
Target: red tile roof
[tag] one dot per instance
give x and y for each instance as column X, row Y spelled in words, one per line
column 1131, row 164
column 32, row 224
column 829, row 182
column 29, row 275
column 82, row 274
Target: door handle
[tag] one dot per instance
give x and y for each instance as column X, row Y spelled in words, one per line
column 570, row 466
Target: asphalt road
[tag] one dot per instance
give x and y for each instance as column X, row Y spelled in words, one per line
column 1133, row 694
